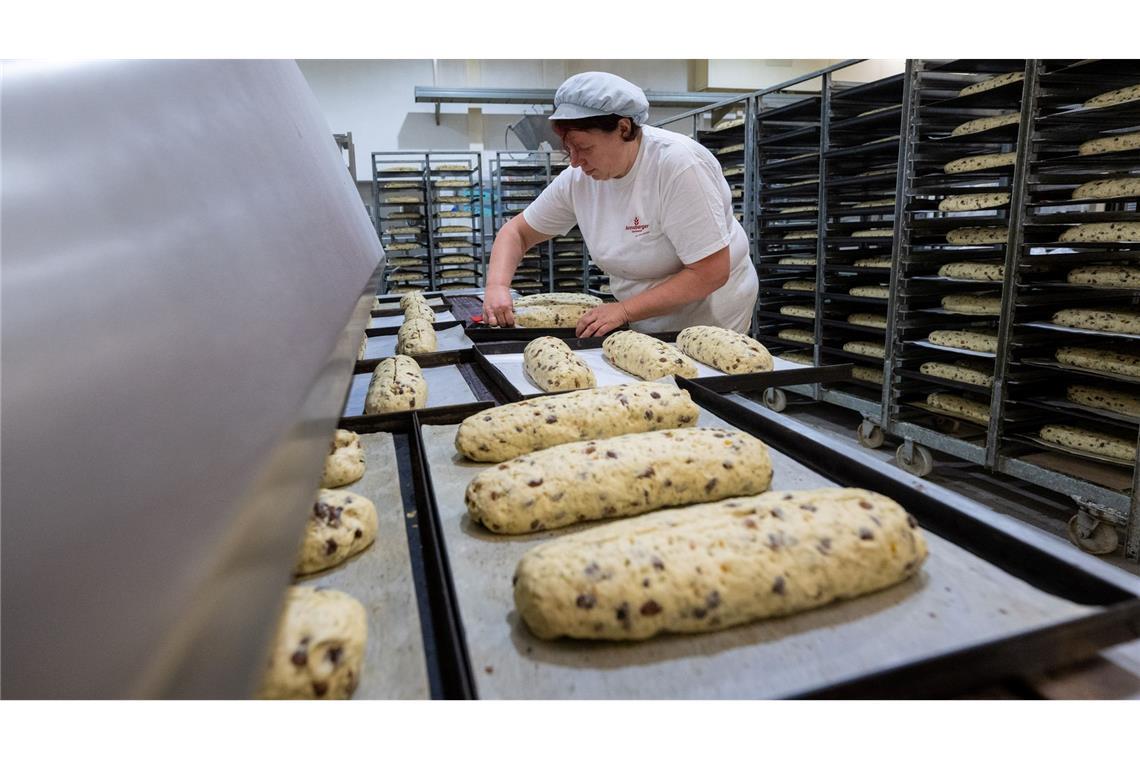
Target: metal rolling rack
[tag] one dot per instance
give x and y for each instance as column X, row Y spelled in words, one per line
column 455, row 228
column 932, row 109
column 516, row 180
column 399, row 201
column 1032, row 381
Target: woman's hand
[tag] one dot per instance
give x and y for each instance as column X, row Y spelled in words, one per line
column 601, row 320
column 498, row 308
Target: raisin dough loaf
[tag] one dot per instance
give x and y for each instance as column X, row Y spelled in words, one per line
column 1112, row 276
column 973, row 202
column 978, row 163
column 397, row 385
column 508, row 431
column 646, row 356
column 992, row 83
column 971, row 304
column 878, row 321
column 972, row 340
column 554, row 315
column 1114, row 187
column 559, row 299
column 796, row 335
column 419, row 310
column 881, row 203
column 798, row 357
column 870, row 291
column 1114, row 97
column 798, row 311
column 1091, row 441
column 318, row 648
column 1103, row 232
column 412, row 297
column 341, row 524
column 865, row 348
column 875, row 262
column 1111, row 144
column 713, row 566
column 727, row 350
column 973, row 270
column 1104, row 398
column 552, row 366
column 977, row 235
column 1099, row 360
column 974, row 373
column 974, row 411
column 868, row 374
column 363, row 349
column 617, row 477
column 801, row 261
column 416, row 336
column 801, row 236
column 806, row 285
column 874, row 232
column 1118, row 321
column 345, row 461
column 985, row 124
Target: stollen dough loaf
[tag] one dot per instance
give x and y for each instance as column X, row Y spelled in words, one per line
column 878, row 321
column 1111, row 144
column 450, row 228
column 406, row 215
column 879, row 110
column 985, row 124
column 808, row 285
column 882, row 203
column 1105, row 275
column 552, row 366
column 458, row 274
column 457, row 259
column 406, row 261
column 416, row 336
column 555, row 315
column 397, row 385
column 402, row 246
column 729, row 149
column 974, row 411
column 363, row 347
column 646, row 356
column 1114, row 97
column 977, row 235
column 865, row 348
column 978, row 163
column 403, row 199
column 729, row 124
column 733, row 171
column 870, row 291
column 401, row 169
column 727, row 350
column 798, row 311
column 974, row 373
column 559, row 299
column 341, row 524
column 318, row 648
column 1114, row 187
column 617, row 477
column 971, row 304
column 508, row 431
column 973, row 202
column 1103, row 232
column 452, row 183
column 973, row 270
column 412, row 297
column 798, row 357
column 972, row 340
column 404, row 230
column 796, row 335
column 1104, row 398
column 419, row 310
column 1104, row 320
column 713, row 566
column 868, row 374
column 874, row 232
column 992, row 83
column 451, row 168
column 805, row 261
column 345, row 461
column 1099, row 360
column 1091, row 441
column 400, row 185
column 876, row 262
column 801, row 236
column 798, row 209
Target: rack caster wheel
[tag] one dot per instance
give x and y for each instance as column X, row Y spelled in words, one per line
column 870, row 435
column 775, row 399
column 1091, row 535
column 920, row 461
column 947, row 424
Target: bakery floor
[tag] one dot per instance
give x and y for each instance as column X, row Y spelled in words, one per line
column 1114, row 675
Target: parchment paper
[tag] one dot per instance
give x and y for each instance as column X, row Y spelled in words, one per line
column 451, row 339
column 398, row 319
column 446, row 386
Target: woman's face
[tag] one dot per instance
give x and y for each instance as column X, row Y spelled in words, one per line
column 601, row 155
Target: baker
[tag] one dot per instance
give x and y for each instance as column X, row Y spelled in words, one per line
column 654, row 209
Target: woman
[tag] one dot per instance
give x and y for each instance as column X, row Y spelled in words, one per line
column 655, row 212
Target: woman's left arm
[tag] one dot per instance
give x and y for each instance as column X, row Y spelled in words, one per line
column 694, row 282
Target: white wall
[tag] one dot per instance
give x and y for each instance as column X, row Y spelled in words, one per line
column 723, row 74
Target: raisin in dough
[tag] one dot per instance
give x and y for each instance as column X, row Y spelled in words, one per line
column 713, row 566
column 397, row 385
column 727, row 350
column 341, row 525
column 1104, row 398
column 646, row 356
column 508, row 431
column 1091, row 441
column 974, row 411
column 1103, row 320
column 1111, row 144
column 552, row 366
column 1099, row 360
column 617, row 477
column 345, row 461
column 319, row 646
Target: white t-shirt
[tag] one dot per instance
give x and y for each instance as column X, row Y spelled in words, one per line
column 674, row 207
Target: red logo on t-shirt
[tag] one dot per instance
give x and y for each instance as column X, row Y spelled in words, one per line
column 637, row 228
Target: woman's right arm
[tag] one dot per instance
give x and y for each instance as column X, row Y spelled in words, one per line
column 513, row 240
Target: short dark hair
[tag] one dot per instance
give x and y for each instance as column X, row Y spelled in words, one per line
column 607, row 123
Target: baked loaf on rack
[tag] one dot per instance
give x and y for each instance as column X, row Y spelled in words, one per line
column 617, row 477
column 973, row 270
column 978, row 163
column 1111, row 144
column 865, row 348
column 727, row 350
column 552, row 366
column 793, row 310
column 878, row 321
column 508, row 431
column 397, row 385
column 796, row 335
column 645, row 356
column 717, row 565
column 1114, row 97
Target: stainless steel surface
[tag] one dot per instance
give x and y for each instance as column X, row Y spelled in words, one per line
column 958, row 599
column 537, row 96
column 184, row 286
column 380, row 577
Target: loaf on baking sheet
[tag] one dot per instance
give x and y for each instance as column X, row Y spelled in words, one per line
column 985, row 124
column 868, row 374
column 1112, row 187
column 505, row 432
column 553, row 315
column 973, row 270
column 345, row 461
column 992, row 83
column 1091, row 441
column 796, row 335
column 397, row 385
column 727, row 350
column 1104, row 320
column 419, row 310
column 875, row 262
column 559, row 299
column 646, row 356
column 1104, row 398
column 552, row 366
column 1099, row 360
column 971, row 304
column 878, row 321
column 800, row 261
column 865, row 348
column 416, row 336
column 1114, row 97
column 978, row 163
column 341, row 524
column 973, row 340
column 973, row 201
column 798, row 357
column 1110, row 144
column 1103, row 232
column 793, row 310
column 974, row 373
column 617, row 477
column 412, row 297
column 870, row 291
column 977, row 235
column 975, row 411
column 713, row 566
column 806, row 285
column 1105, row 275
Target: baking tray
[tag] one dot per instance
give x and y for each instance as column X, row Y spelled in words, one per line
column 1052, row 364
column 963, row 351
column 382, row 340
column 446, row 384
column 1081, row 331
column 397, row 318
column 1042, row 443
